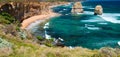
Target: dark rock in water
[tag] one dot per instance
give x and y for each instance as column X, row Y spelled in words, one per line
column 58, row 42
column 77, row 8
column 98, row 10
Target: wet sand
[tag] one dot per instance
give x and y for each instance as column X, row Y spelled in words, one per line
column 32, row 19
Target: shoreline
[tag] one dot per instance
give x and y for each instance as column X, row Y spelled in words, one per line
column 27, row 22
column 40, row 18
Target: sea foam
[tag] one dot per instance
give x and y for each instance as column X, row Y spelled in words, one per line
column 64, row 9
column 119, row 43
column 33, row 26
column 103, row 23
column 93, row 28
column 47, row 36
column 110, row 19
column 88, row 12
column 45, row 27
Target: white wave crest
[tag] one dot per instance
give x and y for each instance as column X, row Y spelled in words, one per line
column 79, row 13
column 33, row 26
column 110, row 19
column 106, row 42
column 64, row 9
column 47, row 36
column 91, row 8
column 93, row 28
column 88, row 12
column 119, row 43
column 66, row 14
column 111, row 14
column 103, row 23
column 46, row 25
column 91, row 20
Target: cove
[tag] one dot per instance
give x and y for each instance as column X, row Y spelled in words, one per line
column 86, row 30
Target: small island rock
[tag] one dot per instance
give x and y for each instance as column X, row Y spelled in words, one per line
column 98, row 10
column 77, row 8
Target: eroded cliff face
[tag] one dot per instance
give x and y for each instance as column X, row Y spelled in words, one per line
column 16, row 9
column 77, row 8
column 98, row 10
column 24, row 10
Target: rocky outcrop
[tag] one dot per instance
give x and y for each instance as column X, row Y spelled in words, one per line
column 24, row 10
column 15, row 9
column 98, row 10
column 77, row 8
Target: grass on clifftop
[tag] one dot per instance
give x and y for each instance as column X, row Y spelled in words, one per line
column 29, row 48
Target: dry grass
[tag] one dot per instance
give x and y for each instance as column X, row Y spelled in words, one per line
column 5, row 51
column 29, row 48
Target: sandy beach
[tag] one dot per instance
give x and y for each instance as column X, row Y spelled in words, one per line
column 32, row 19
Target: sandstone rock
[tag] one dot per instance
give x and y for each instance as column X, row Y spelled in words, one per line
column 98, row 10
column 77, row 8
column 24, row 10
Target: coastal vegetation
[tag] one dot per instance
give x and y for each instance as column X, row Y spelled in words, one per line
column 6, row 18
column 17, row 42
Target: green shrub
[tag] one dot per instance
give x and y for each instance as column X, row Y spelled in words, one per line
column 3, row 21
column 49, row 42
column 40, row 38
column 6, row 18
column 22, row 34
column 4, row 43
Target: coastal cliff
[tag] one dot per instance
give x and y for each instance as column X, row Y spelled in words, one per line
column 25, row 10
column 77, row 8
column 27, row 13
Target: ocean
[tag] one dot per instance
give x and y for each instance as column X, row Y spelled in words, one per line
column 86, row 29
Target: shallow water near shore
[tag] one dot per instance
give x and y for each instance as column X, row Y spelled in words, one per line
column 87, row 30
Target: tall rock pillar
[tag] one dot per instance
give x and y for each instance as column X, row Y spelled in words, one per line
column 98, row 10
column 77, row 8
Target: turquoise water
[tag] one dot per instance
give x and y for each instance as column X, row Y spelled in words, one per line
column 87, row 30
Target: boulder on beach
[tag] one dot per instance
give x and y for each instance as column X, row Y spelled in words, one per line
column 77, row 8
column 98, row 10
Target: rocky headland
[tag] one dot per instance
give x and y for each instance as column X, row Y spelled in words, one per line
column 43, row 13
column 29, row 12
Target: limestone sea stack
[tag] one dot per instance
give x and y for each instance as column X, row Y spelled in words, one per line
column 98, row 10
column 77, row 8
